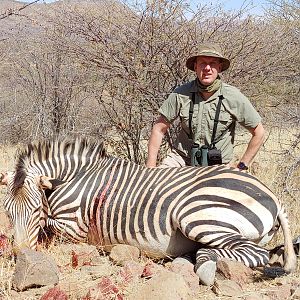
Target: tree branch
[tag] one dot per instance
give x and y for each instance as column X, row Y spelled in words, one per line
column 11, row 11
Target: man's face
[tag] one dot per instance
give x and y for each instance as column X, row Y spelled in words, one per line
column 207, row 69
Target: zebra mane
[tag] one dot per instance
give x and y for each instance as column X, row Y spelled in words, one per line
column 38, row 151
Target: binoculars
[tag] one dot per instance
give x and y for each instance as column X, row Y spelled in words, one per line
column 205, row 156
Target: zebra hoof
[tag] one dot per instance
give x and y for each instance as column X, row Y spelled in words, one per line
column 207, row 272
column 274, row 272
column 185, row 259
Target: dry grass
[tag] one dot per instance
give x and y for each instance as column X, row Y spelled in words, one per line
column 270, row 165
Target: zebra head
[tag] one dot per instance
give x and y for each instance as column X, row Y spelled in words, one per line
column 26, row 206
column 40, row 168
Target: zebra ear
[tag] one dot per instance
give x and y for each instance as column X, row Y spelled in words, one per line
column 47, row 183
column 3, row 178
column 44, row 182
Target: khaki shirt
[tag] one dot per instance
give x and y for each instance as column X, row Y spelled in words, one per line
column 235, row 107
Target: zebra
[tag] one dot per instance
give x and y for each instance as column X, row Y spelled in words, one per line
column 73, row 187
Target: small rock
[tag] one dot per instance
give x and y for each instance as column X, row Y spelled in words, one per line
column 282, row 292
column 54, row 294
column 82, row 254
column 254, row 296
column 122, row 253
column 73, row 289
column 164, row 286
column 148, row 270
column 227, row 288
column 105, row 289
column 186, row 269
column 131, row 272
column 5, row 245
column 235, row 271
column 32, row 269
column 151, row 269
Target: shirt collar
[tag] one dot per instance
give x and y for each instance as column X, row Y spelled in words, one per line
column 194, row 89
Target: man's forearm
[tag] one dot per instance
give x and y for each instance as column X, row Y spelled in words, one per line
column 252, row 149
column 254, row 144
column 157, row 134
column 153, row 147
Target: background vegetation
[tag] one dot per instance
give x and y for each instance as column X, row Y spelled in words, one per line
column 102, row 68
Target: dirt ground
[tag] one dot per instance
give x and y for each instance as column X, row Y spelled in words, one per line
column 75, row 282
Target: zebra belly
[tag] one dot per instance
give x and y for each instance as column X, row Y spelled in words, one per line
column 180, row 244
column 166, row 246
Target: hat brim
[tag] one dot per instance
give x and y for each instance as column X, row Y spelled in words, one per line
column 190, row 62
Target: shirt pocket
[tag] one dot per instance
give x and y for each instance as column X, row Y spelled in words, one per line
column 224, row 121
column 184, row 115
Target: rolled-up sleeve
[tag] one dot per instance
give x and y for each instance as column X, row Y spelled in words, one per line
column 170, row 107
column 248, row 115
column 241, row 108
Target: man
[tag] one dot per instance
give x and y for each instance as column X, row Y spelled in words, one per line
column 196, row 104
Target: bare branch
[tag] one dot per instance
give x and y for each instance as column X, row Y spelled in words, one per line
column 11, row 12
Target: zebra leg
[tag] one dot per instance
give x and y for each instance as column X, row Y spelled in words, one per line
column 206, row 266
column 234, row 247
column 57, row 228
column 187, row 258
column 70, row 231
column 45, row 236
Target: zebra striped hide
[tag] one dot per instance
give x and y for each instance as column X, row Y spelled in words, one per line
column 74, row 188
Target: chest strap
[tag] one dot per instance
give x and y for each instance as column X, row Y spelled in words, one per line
column 191, row 111
column 216, row 120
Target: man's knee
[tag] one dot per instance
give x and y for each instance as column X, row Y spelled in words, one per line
column 173, row 159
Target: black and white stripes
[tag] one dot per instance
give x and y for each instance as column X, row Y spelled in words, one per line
column 74, row 188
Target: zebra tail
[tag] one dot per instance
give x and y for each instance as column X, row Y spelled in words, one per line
column 290, row 259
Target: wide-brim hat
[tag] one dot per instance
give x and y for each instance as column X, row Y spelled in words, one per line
column 208, row 49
